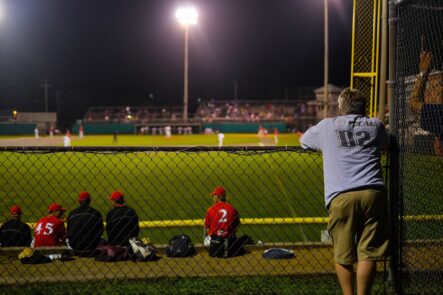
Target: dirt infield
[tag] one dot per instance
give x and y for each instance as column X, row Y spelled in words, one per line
column 31, row 141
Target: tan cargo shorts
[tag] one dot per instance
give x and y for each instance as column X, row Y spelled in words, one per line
column 358, row 225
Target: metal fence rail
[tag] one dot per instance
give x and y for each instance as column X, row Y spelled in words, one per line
column 418, row 125
column 277, row 191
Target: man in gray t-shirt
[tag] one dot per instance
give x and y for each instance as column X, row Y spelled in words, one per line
column 354, row 188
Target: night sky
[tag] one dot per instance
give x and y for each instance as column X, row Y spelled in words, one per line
column 130, row 52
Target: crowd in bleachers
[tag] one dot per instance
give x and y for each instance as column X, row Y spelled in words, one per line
column 253, row 111
column 133, row 114
column 207, row 111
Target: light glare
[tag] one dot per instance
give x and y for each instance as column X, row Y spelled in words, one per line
column 186, row 16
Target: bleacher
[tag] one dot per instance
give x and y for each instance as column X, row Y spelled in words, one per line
column 207, row 111
column 286, row 115
column 133, row 114
column 254, row 110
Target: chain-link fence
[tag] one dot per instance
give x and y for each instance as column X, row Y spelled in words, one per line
column 277, row 192
column 365, row 58
column 418, row 126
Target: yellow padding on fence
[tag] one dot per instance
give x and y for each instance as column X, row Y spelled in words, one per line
column 200, row 222
column 423, row 218
column 265, row 221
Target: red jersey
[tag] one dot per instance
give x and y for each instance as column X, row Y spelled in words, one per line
column 49, row 231
column 222, row 219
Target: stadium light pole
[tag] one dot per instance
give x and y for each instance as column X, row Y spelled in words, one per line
column 186, row 16
column 326, row 65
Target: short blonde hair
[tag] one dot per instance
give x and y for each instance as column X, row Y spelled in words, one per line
column 352, row 101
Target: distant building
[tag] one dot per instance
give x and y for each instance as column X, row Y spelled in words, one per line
column 42, row 120
column 333, row 93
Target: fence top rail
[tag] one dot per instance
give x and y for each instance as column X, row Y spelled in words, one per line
column 52, row 149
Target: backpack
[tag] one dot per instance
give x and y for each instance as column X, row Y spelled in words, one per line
column 180, row 246
column 29, row 256
column 112, row 253
column 142, row 251
column 228, row 247
column 278, row 253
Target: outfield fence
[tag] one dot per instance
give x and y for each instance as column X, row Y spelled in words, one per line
column 277, row 191
column 417, row 161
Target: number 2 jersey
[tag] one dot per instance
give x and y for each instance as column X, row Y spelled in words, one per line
column 351, row 147
column 222, row 219
column 49, row 231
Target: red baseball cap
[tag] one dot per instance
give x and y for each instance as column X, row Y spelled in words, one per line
column 15, row 210
column 55, row 207
column 218, row 191
column 83, row 196
column 116, row 196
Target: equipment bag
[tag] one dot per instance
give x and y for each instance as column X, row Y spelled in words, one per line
column 112, row 253
column 180, row 246
column 278, row 253
column 29, row 256
column 142, row 251
column 228, row 247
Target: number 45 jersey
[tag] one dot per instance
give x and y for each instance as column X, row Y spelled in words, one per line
column 49, row 231
column 351, row 147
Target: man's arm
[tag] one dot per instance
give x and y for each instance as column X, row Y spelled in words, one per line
column 415, row 102
column 311, row 138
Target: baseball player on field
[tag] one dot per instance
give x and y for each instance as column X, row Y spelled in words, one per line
column 354, row 189
column 50, row 230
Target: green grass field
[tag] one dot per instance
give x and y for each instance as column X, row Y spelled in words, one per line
column 288, row 139
column 173, row 185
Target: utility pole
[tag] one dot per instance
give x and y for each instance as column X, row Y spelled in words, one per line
column 235, row 90
column 45, row 86
column 58, row 101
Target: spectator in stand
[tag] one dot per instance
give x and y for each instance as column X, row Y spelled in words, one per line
column 427, row 100
column 85, row 227
column 14, row 232
column 121, row 221
column 50, row 230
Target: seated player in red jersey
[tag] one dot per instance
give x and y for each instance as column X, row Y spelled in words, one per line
column 50, row 230
column 221, row 223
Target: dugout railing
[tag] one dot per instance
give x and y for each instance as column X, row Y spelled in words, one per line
column 278, row 192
